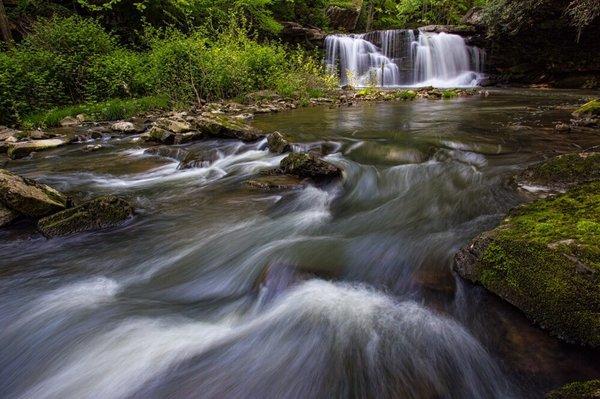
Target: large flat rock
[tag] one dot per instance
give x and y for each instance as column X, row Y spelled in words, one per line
column 23, row 149
column 28, row 197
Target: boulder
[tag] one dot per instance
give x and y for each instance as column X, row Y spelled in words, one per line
column 174, row 125
column 28, row 197
column 99, row 213
column 544, row 259
column 278, row 144
column 69, row 121
column 188, row 137
column 126, row 127
column 23, row 149
column 276, row 183
column 343, row 18
column 224, row 127
column 309, row 166
column 6, row 132
column 7, row 216
column 159, row 135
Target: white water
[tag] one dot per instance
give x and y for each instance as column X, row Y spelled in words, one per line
column 395, row 58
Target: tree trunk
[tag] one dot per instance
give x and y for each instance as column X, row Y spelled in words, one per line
column 370, row 15
column 6, row 36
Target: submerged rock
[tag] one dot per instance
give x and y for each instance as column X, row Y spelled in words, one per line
column 545, row 259
column 23, row 149
column 577, row 390
column 275, row 183
column 176, row 153
column 309, row 165
column 278, row 144
column 199, row 160
column 99, row 213
column 28, row 197
column 7, row 216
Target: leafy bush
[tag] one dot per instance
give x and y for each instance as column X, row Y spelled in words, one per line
column 121, row 73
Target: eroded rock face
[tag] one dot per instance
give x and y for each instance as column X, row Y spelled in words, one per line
column 28, row 197
column 99, row 213
column 293, row 32
column 278, row 144
column 343, row 18
column 309, row 166
column 23, row 149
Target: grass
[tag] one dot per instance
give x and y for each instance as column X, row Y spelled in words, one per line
column 591, row 108
column 104, row 111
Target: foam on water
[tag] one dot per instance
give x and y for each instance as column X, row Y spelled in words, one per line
column 330, row 340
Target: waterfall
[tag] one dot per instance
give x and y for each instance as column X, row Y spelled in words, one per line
column 394, row 58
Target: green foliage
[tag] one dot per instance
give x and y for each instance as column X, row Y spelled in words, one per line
column 591, row 108
column 67, row 61
column 566, row 169
column 108, row 110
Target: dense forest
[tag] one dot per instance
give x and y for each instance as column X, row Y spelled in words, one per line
column 61, row 53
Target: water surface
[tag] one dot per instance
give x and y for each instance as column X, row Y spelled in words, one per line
column 217, row 291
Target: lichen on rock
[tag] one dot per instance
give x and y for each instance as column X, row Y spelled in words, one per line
column 577, row 390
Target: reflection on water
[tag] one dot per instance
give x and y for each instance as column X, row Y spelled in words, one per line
column 218, row 291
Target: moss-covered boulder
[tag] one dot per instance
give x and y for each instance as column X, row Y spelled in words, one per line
column 99, row 213
column 278, row 144
column 28, row 197
column 308, row 165
column 220, row 126
column 577, row 390
column 563, row 171
column 544, row 258
column 23, row 149
column 159, row 135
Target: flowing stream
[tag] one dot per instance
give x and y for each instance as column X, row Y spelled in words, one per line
column 395, row 58
column 345, row 291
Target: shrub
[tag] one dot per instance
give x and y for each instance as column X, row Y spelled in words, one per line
column 121, row 73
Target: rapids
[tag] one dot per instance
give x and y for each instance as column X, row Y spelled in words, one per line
column 217, row 291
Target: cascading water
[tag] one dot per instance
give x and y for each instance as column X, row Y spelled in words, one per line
column 404, row 58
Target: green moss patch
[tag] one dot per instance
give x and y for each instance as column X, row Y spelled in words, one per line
column 591, row 108
column 577, row 390
column 565, row 170
column 545, row 259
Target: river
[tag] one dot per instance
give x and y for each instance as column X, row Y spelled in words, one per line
column 345, row 291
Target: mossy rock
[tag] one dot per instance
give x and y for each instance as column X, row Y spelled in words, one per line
column 28, row 197
column 99, row 213
column 220, row 126
column 564, row 171
column 545, row 259
column 577, row 390
column 589, row 109
column 306, row 165
column 278, row 144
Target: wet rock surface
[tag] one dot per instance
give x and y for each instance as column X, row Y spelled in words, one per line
column 7, row 216
column 276, row 183
column 99, row 213
column 308, row 165
column 23, row 149
column 28, row 197
column 278, row 144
